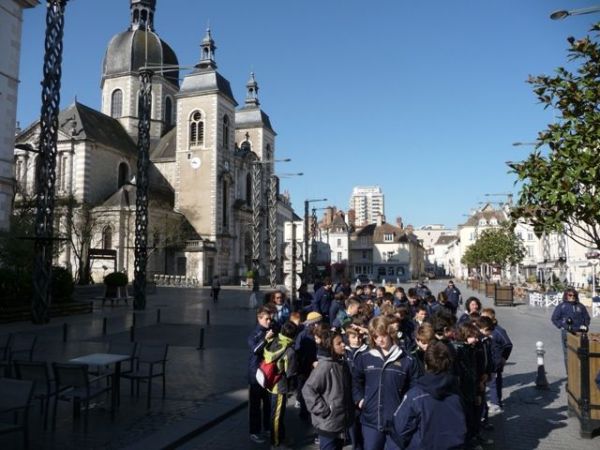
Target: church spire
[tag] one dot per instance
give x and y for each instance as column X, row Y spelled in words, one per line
column 142, row 14
column 252, row 91
column 207, row 56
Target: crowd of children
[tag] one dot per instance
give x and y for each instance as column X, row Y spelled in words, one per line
column 378, row 368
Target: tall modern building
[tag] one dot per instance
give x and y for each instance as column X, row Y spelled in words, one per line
column 367, row 203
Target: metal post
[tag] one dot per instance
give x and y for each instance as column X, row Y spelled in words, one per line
column 307, row 274
column 256, row 225
column 46, row 173
column 294, row 258
column 313, row 244
column 583, row 352
column 141, row 203
column 65, row 332
column 273, row 230
column 540, row 381
column 158, row 315
column 208, row 317
column 201, row 341
column 104, row 326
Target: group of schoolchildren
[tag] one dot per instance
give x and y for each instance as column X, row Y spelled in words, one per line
column 378, row 368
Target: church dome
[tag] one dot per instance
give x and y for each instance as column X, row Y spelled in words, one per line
column 135, row 48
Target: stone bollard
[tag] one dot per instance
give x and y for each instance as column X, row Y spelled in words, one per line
column 201, row 342
column 208, row 317
column 104, row 326
column 540, row 381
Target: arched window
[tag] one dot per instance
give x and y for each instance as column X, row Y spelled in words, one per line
column 116, row 103
column 248, row 189
column 168, row 111
column 196, row 130
column 107, row 238
column 225, row 203
column 123, row 174
column 225, row 131
column 269, row 153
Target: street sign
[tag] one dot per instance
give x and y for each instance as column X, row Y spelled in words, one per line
column 287, row 281
column 592, row 255
column 288, row 250
column 287, row 231
column 287, row 266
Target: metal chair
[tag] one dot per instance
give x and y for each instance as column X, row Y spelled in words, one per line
column 73, row 383
column 15, row 397
column 22, row 346
column 44, row 386
column 552, row 299
column 151, row 363
column 536, row 299
column 5, row 342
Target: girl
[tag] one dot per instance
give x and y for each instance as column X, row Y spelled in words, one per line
column 381, row 377
column 472, row 309
column 328, row 393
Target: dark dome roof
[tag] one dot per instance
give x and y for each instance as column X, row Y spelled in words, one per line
column 126, row 53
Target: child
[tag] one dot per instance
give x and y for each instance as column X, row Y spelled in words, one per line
column 380, row 379
column 491, row 360
column 431, row 415
column 502, row 346
column 344, row 316
column 423, row 337
column 306, row 355
column 281, row 350
column 328, row 394
column 472, row 308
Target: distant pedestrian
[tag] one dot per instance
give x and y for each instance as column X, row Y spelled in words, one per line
column 454, row 296
column 570, row 316
column 215, row 288
column 323, row 299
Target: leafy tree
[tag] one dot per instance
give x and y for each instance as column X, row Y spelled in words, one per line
column 561, row 177
column 498, row 247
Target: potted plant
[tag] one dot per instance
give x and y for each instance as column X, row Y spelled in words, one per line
column 250, row 278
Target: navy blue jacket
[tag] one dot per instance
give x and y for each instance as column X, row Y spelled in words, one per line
column 256, row 344
column 570, row 310
column 598, row 380
column 335, row 307
column 353, row 352
column 431, row 416
column 453, row 295
column 306, row 351
column 322, row 302
column 501, row 343
column 432, row 308
column 381, row 382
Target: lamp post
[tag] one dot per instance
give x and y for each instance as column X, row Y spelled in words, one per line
column 273, row 195
column 563, row 14
column 307, row 266
column 256, row 217
column 46, row 175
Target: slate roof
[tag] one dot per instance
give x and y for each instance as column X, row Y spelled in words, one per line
column 251, row 116
column 445, row 239
column 125, row 197
column 474, row 219
column 206, row 80
column 165, row 149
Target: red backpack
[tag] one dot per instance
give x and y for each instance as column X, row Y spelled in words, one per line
column 268, row 374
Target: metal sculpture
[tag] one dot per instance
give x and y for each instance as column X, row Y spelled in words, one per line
column 273, row 230
column 141, row 202
column 46, row 173
column 256, row 223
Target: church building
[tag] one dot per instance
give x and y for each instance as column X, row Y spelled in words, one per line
column 203, row 148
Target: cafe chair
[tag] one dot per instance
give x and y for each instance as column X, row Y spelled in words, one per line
column 15, row 397
column 44, row 387
column 22, row 346
column 73, row 383
column 5, row 342
column 151, row 362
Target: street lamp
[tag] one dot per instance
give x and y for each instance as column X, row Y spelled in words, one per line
column 307, row 267
column 273, row 194
column 563, row 14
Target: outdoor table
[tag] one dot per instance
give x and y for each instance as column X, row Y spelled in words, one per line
column 106, row 359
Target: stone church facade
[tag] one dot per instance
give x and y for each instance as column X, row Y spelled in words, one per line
column 203, row 147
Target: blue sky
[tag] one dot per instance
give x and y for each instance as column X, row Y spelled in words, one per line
column 423, row 98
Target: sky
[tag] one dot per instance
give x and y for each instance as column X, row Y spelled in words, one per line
column 421, row 97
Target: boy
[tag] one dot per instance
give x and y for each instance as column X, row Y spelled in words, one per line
column 344, row 316
column 431, row 415
column 502, row 346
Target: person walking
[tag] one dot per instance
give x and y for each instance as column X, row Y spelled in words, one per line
column 570, row 316
column 453, row 295
column 215, row 288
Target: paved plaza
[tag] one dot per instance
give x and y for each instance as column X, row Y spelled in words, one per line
column 205, row 404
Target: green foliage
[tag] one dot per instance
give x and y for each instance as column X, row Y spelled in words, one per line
column 116, row 279
column 250, row 274
column 62, row 285
column 561, row 177
column 496, row 247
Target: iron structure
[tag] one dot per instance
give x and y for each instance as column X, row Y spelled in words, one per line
column 141, row 202
column 314, row 231
column 256, row 223
column 273, row 269
column 307, row 266
column 46, row 173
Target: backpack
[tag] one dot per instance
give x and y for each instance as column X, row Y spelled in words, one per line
column 268, row 373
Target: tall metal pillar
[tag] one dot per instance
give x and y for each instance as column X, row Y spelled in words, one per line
column 141, row 202
column 308, row 275
column 273, row 230
column 46, row 174
column 313, row 243
column 256, row 223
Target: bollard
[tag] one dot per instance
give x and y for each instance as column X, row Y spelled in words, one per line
column 208, row 317
column 133, row 319
column 201, row 343
column 65, row 332
column 104, row 324
column 540, row 381
column 132, row 334
column 158, row 315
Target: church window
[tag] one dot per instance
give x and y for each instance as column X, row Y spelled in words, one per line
column 269, row 154
column 225, row 131
column 123, row 174
column 225, row 217
column 107, row 238
column 196, row 130
column 63, row 160
column 116, row 103
column 168, row 111
column 248, row 189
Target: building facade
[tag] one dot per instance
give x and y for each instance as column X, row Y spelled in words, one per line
column 203, row 150
column 367, row 202
column 11, row 20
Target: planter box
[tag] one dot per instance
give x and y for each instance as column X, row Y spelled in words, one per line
column 503, row 295
column 23, row 314
column 583, row 362
column 490, row 289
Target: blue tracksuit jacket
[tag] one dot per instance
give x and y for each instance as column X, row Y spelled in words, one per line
column 570, row 310
column 381, row 382
column 256, row 344
column 322, row 302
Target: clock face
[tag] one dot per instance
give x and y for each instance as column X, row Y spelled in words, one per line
column 195, row 163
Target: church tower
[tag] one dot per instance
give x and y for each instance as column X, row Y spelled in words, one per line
column 127, row 52
column 204, row 182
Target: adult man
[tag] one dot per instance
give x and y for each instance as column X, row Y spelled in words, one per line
column 454, row 296
column 323, row 298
